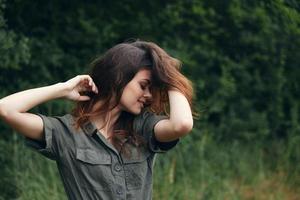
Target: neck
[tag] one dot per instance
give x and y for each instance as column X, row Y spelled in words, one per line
column 105, row 123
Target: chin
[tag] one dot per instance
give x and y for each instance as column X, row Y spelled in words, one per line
column 135, row 112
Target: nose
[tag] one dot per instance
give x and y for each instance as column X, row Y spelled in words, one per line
column 147, row 94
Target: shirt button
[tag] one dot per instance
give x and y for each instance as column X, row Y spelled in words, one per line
column 119, row 191
column 118, row 167
column 89, row 127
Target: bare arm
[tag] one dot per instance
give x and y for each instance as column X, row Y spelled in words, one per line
column 180, row 122
column 13, row 108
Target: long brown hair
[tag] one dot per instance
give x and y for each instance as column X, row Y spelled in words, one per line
column 117, row 67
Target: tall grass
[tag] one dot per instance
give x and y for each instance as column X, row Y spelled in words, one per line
column 204, row 169
column 32, row 176
column 196, row 169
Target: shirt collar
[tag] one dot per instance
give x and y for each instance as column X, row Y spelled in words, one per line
column 89, row 128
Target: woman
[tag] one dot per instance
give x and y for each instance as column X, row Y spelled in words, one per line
column 134, row 103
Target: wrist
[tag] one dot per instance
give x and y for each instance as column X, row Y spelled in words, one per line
column 62, row 89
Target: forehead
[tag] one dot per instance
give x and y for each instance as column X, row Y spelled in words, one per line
column 143, row 74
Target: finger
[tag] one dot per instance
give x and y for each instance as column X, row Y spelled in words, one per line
column 89, row 83
column 89, row 80
column 95, row 89
column 92, row 85
column 84, row 98
column 85, row 78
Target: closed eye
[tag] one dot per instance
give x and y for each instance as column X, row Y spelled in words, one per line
column 143, row 87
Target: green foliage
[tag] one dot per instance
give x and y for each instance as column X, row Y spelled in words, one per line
column 243, row 59
column 202, row 169
column 241, row 55
column 228, row 171
column 13, row 47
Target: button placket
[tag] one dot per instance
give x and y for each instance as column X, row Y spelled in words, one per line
column 89, row 127
column 119, row 191
column 118, row 167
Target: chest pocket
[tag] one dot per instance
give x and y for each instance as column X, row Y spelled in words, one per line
column 93, row 157
column 94, row 169
column 138, row 170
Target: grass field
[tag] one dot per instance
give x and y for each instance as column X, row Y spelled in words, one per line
column 194, row 170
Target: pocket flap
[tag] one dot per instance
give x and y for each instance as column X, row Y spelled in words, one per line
column 93, row 157
column 136, row 158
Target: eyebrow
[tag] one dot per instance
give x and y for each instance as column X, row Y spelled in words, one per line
column 148, row 81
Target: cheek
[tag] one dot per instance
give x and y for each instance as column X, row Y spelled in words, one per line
column 130, row 96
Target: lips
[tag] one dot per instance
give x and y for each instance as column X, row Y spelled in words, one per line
column 142, row 103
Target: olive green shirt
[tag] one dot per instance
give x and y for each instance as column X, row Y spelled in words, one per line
column 91, row 168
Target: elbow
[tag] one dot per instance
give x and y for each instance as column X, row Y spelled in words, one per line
column 183, row 127
column 4, row 111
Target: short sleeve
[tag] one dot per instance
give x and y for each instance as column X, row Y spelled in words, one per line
column 52, row 142
column 144, row 124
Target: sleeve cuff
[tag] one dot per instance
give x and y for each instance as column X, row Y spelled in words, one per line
column 162, row 147
column 157, row 146
column 45, row 146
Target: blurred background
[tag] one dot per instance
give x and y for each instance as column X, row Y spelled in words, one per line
column 243, row 58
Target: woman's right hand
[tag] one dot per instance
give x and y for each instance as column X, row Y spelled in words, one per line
column 78, row 84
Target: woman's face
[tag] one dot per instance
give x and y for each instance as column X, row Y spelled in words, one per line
column 136, row 92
